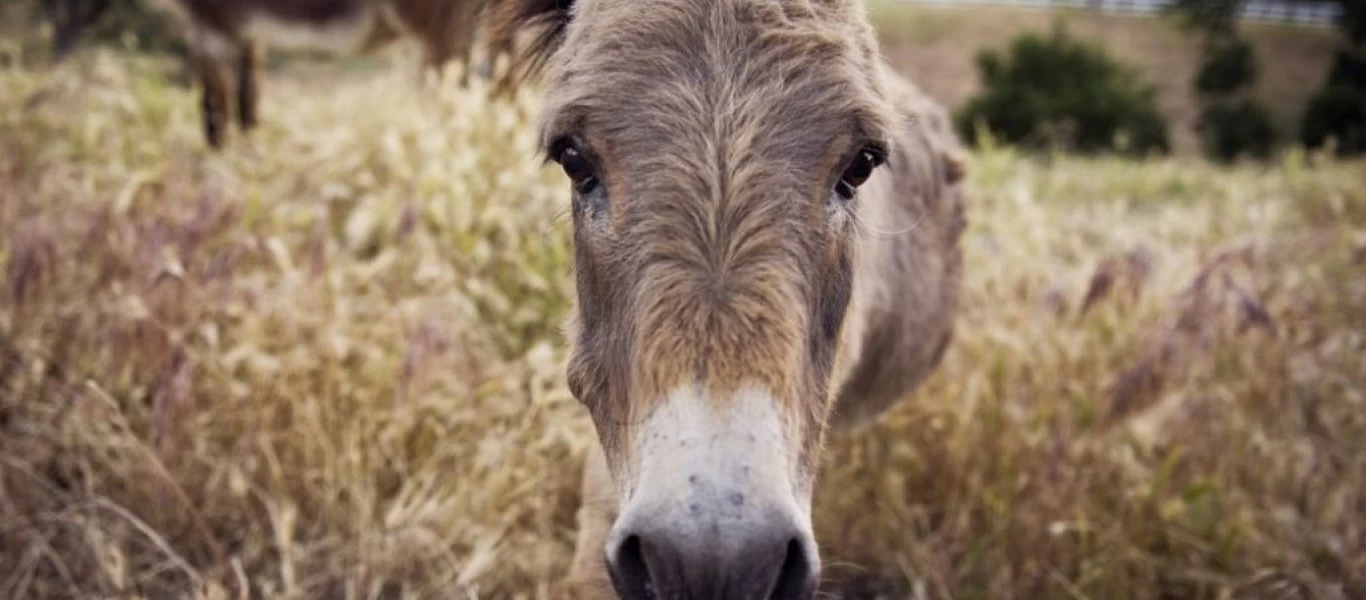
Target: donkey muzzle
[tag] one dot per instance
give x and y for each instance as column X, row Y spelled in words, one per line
column 714, row 513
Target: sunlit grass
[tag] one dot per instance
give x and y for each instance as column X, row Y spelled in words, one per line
column 327, row 363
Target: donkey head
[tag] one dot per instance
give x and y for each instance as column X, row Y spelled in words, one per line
column 715, row 149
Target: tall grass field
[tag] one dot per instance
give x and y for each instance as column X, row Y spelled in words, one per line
column 328, row 363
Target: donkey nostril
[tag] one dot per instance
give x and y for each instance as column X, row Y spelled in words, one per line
column 629, row 572
column 795, row 579
column 757, row 560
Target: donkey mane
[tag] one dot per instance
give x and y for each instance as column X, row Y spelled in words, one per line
column 547, row 20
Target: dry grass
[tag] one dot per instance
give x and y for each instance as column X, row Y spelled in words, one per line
column 327, row 364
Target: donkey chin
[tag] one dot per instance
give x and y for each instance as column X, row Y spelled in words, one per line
column 718, row 507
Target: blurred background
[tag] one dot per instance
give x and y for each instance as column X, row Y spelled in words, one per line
column 325, row 361
column 1231, row 78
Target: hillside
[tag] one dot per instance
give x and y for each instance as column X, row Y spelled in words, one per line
column 938, row 46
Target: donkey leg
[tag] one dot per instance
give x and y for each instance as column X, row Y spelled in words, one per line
column 214, row 102
column 588, row 573
column 71, row 18
column 248, row 85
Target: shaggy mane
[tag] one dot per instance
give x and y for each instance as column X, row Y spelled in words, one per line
column 548, row 19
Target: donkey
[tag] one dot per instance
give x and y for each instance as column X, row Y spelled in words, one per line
column 766, row 225
column 225, row 38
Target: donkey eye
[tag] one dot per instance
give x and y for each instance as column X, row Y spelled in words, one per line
column 577, row 167
column 858, row 171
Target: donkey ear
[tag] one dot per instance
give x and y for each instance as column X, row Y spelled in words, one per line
column 546, row 19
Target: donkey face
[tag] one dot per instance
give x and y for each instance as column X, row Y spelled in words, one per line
column 715, row 150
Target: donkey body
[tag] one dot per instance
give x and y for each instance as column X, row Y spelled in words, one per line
column 225, row 40
column 766, row 235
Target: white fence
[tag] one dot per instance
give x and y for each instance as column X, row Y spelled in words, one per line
column 1316, row 13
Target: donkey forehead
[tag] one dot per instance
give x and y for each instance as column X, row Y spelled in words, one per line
column 684, row 75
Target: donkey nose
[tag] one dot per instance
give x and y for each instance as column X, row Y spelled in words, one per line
column 727, row 561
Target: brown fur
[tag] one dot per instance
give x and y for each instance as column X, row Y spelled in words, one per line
column 719, row 128
column 226, row 58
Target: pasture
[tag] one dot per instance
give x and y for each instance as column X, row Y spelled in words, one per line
column 327, row 363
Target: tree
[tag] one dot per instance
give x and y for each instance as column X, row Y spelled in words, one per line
column 1338, row 112
column 1231, row 122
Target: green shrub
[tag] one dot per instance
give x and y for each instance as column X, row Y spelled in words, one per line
column 1237, row 129
column 1230, row 65
column 1056, row 91
column 1217, row 17
column 1337, row 113
column 1232, row 125
column 1349, row 70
